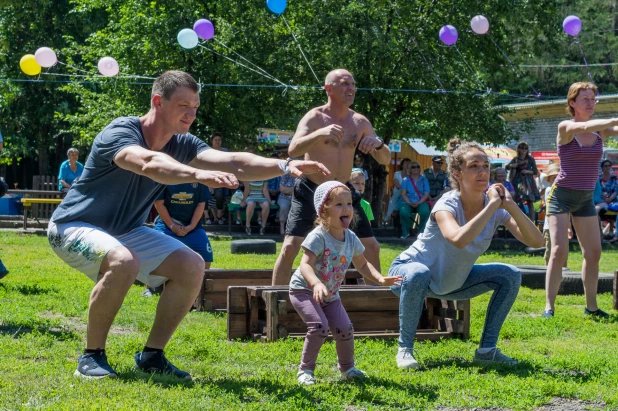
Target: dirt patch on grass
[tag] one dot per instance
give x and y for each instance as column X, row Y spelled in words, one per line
column 556, row 404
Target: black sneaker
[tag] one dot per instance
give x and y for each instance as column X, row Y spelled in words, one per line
column 94, row 365
column 598, row 313
column 155, row 362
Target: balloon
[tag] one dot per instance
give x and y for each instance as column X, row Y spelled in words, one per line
column 479, row 24
column 572, row 25
column 448, row 35
column 46, row 57
column 29, row 65
column 276, row 6
column 187, row 38
column 204, row 29
column 108, row 66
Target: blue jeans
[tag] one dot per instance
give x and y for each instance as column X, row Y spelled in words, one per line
column 503, row 279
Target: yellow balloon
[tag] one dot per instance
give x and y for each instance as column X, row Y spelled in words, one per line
column 29, row 65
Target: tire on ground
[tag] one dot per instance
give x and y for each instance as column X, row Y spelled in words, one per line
column 533, row 276
column 253, row 247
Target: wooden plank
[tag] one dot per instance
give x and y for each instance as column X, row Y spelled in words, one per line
column 616, row 290
column 223, row 284
column 237, row 301
column 272, row 315
column 236, row 326
column 466, row 319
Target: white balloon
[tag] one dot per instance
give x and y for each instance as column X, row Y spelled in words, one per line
column 108, row 66
column 187, row 38
column 479, row 24
column 46, row 57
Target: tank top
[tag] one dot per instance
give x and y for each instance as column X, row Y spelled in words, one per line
column 579, row 165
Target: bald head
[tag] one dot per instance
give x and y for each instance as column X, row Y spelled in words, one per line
column 333, row 77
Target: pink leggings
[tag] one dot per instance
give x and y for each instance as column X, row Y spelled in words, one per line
column 320, row 321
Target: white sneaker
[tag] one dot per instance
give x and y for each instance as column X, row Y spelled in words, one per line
column 305, row 377
column 353, row 374
column 405, row 359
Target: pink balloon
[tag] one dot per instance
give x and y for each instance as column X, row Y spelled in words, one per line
column 448, row 35
column 204, row 29
column 572, row 25
column 479, row 24
column 46, row 57
column 108, row 66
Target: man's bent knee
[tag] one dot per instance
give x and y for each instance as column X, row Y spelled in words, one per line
column 122, row 261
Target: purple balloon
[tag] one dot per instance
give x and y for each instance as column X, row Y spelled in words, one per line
column 448, row 35
column 204, row 29
column 572, row 25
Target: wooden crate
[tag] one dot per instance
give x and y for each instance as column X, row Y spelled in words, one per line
column 213, row 294
column 616, row 290
column 265, row 313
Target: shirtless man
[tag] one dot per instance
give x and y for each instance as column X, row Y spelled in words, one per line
column 330, row 133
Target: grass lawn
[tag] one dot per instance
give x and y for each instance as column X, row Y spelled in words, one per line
column 43, row 306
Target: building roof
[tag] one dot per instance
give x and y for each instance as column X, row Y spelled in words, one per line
column 551, row 108
column 419, row 146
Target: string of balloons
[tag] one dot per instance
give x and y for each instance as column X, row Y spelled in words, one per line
column 189, row 38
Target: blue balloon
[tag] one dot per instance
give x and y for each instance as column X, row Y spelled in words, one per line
column 276, row 6
column 187, row 38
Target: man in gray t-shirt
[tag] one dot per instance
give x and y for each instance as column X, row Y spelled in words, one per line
column 98, row 229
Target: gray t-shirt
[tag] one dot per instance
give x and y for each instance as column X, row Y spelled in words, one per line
column 115, row 199
column 449, row 266
column 333, row 259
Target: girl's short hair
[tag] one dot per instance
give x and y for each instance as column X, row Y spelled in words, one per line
column 321, row 219
column 456, row 152
column 574, row 91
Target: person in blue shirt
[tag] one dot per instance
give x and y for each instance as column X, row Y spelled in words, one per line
column 414, row 193
column 70, row 170
column 180, row 209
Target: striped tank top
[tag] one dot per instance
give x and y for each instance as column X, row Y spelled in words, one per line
column 579, row 165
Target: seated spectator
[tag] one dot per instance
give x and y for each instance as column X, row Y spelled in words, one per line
column 359, row 162
column 256, row 192
column 436, row 177
column 500, row 178
column 217, row 202
column 404, row 171
column 357, row 179
column 274, row 191
column 414, row 193
column 180, row 209
column 609, row 188
column 286, row 188
column 70, row 171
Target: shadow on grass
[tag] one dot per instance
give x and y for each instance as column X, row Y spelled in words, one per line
column 59, row 334
column 523, row 369
column 27, row 289
column 163, row 381
column 245, row 390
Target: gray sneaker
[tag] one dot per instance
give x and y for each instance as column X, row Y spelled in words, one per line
column 494, row 356
column 155, row 362
column 305, row 377
column 94, row 365
column 353, row 374
column 405, row 359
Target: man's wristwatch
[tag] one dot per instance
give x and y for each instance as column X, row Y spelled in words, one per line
column 381, row 143
column 285, row 165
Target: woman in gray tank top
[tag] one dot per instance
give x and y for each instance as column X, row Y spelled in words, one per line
column 441, row 262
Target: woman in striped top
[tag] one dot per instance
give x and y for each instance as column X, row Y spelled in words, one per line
column 580, row 148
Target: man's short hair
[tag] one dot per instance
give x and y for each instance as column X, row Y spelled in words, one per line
column 168, row 82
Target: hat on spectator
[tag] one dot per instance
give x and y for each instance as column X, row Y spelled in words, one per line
column 322, row 192
column 437, row 159
column 552, row 170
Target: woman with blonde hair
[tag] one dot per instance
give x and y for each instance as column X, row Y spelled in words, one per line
column 580, row 148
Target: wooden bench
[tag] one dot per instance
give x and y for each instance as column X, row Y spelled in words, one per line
column 266, row 314
column 232, row 208
column 213, row 294
column 28, row 202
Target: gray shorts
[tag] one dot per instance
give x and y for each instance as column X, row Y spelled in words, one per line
column 578, row 203
column 83, row 247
